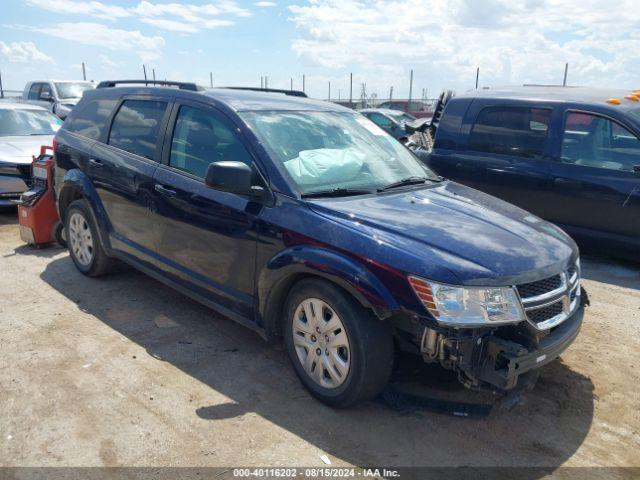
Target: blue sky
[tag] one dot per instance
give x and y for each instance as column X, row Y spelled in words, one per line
column 513, row 42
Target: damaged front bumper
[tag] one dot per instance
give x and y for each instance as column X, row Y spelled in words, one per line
column 496, row 358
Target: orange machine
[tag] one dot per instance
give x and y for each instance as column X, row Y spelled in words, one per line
column 37, row 214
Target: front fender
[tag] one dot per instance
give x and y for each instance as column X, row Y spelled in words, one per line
column 73, row 182
column 277, row 276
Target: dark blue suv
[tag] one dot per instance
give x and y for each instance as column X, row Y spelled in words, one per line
column 569, row 155
column 303, row 220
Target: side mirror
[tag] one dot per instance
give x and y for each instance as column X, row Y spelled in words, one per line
column 233, row 177
column 46, row 96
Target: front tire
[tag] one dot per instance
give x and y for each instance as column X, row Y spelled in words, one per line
column 339, row 350
column 83, row 241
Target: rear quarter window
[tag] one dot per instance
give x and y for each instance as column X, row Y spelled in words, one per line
column 518, row 131
column 90, row 120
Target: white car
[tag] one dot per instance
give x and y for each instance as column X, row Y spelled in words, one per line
column 24, row 129
column 57, row 96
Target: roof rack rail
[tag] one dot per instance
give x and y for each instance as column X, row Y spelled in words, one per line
column 150, row 83
column 292, row 93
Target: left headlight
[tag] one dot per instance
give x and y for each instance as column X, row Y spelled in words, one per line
column 468, row 306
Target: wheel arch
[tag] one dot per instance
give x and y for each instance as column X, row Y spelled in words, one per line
column 76, row 185
column 297, row 263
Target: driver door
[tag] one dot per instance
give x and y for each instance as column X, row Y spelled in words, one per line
column 206, row 238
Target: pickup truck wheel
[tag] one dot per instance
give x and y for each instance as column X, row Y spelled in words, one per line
column 340, row 351
column 83, row 241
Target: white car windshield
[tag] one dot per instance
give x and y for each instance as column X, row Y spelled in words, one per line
column 71, row 90
column 324, row 151
column 27, row 122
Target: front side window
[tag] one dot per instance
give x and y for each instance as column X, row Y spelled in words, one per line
column 68, row 90
column 590, row 140
column 46, row 90
column 136, row 127
column 518, row 131
column 34, row 91
column 322, row 151
column 27, row 122
column 202, row 137
column 90, row 120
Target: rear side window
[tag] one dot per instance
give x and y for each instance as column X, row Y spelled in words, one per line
column 380, row 120
column 34, row 91
column 519, row 131
column 593, row 141
column 136, row 127
column 91, row 119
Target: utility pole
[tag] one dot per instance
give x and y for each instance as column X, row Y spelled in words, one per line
column 153, row 71
column 339, row 95
column 1, row 89
column 351, row 90
column 390, row 93
column 329, row 97
column 291, row 83
column 266, row 83
column 477, row 76
column 84, row 72
column 144, row 71
column 303, row 82
column 566, row 70
column 211, row 79
column 410, row 89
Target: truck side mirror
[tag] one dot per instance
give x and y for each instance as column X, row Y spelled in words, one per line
column 46, row 96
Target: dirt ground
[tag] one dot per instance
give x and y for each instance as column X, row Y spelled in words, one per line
column 123, row 371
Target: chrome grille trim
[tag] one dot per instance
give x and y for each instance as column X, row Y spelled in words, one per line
column 568, row 295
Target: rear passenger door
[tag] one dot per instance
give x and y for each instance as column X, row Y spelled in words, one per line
column 206, row 237
column 594, row 183
column 507, row 154
column 122, row 168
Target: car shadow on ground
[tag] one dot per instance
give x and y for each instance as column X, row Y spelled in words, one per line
column 544, row 432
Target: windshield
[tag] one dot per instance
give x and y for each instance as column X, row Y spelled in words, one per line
column 72, row 90
column 332, row 150
column 401, row 117
column 28, row 122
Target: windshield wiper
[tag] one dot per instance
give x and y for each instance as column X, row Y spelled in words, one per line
column 404, row 182
column 337, row 192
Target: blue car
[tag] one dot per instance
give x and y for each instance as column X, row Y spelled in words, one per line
column 568, row 155
column 305, row 222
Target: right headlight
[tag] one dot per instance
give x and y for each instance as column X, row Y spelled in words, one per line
column 468, row 306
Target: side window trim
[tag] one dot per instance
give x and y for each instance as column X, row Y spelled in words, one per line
column 170, row 130
column 157, row 160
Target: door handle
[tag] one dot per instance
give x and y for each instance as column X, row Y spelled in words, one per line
column 95, row 163
column 164, row 191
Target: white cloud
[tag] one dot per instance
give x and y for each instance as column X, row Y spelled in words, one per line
column 147, row 48
column 93, row 8
column 512, row 42
column 265, row 4
column 23, row 52
column 176, row 17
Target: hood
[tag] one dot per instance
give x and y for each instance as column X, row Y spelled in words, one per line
column 21, row 149
column 477, row 239
column 70, row 101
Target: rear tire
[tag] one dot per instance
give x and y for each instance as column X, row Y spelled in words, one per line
column 339, row 350
column 85, row 247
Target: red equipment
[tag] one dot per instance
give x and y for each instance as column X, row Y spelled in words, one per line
column 37, row 213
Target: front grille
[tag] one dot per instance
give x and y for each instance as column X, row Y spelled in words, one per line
column 540, row 287
column 545, row 313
